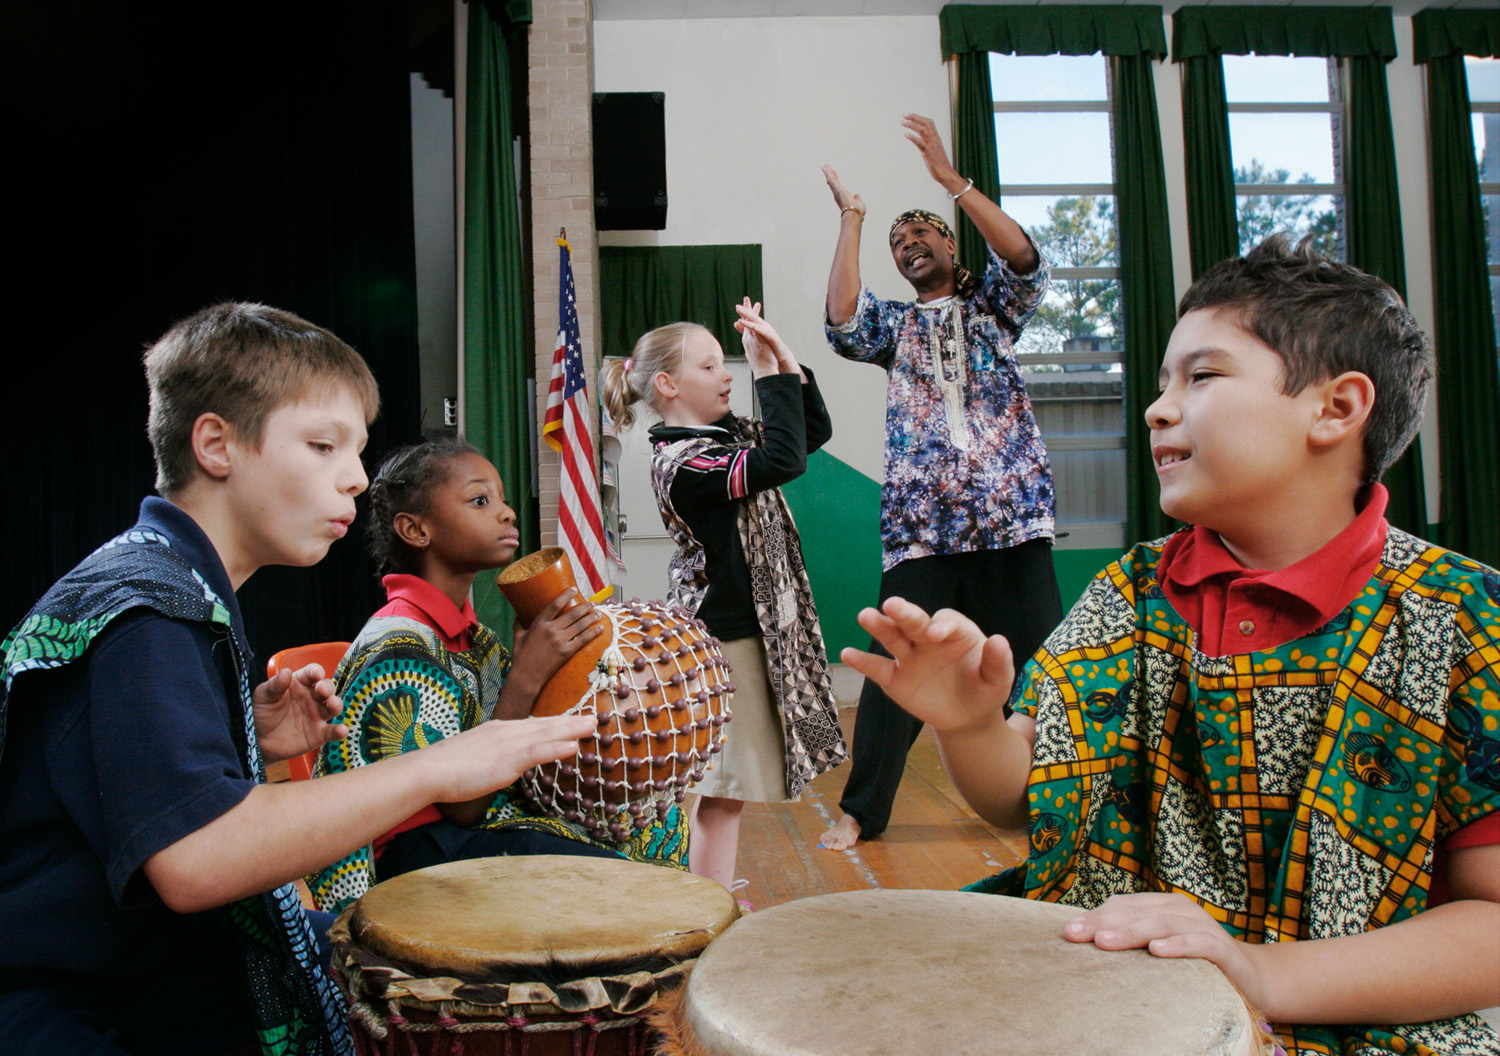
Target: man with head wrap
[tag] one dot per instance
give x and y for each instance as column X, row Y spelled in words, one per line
column 966, row 509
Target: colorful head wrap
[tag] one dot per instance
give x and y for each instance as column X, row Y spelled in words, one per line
column 963, row 279
column 930, row 219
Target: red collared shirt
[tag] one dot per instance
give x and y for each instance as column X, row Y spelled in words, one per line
column 1233, row 609
column 1236, row 610
column 413, row 598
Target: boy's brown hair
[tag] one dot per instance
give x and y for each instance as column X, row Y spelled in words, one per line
column 240, row 361
column 1324, row 317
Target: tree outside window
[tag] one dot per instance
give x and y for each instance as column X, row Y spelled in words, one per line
column 1052, row 130
column 1285, row 117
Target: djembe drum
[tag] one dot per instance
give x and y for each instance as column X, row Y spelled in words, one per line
column 543, row 956
column 893, row 973
column 659, row 687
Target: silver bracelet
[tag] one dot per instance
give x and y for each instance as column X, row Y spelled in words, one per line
column 960, row 194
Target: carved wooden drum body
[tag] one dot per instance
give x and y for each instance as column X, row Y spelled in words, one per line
column 896, row 973
column 539, row 955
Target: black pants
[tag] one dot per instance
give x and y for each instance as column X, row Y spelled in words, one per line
column 1011, row 592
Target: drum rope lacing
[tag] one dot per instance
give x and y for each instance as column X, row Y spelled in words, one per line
column 389, row 1026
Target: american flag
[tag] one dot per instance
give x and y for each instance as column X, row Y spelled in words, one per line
column 580, row 519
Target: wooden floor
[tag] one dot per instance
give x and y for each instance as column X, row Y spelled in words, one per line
column 933, row 841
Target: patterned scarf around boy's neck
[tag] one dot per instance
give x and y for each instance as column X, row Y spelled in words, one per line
column 297, row 1010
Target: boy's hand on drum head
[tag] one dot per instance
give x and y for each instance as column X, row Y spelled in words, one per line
column 1172, row 925
column 942, row 668
column 494, row 754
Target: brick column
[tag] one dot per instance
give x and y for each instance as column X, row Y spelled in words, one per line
column 561, row 75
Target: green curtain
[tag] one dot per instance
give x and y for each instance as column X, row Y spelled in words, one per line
column 1213, row 225
column 1074, row 29
column 1375, row 244
column 497, row 340
column 975, row 152
column 1133, row 37
column 643, row 287
column 1468, row 378
column 1145, row 277
column 1363, row 36
column 1325, row 31
column 1445, row 32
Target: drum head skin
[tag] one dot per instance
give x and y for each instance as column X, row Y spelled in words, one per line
column 892, row 973
column 506, row 919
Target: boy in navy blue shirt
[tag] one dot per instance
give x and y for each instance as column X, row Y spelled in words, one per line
column 146, row 885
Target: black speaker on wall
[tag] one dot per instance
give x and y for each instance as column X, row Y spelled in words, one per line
column 630, row 161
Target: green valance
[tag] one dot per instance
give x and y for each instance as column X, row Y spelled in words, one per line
column 643, row 287
column 1344, row 32
column 1436, row 33
column 1081, row 29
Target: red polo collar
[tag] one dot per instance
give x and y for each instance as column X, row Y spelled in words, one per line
column 415, row 598
column 1234, row 609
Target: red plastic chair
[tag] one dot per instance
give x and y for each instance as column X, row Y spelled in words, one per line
column 298, row 656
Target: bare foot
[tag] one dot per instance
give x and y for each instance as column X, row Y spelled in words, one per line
column 842, row 836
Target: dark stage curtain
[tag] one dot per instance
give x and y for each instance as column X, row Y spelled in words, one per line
column 497, row 287
column 170, row 156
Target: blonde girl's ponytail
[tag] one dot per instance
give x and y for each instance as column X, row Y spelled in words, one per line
column 618, row 394
column 632, row 379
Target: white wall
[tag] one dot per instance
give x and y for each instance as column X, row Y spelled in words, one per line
column 754, row 108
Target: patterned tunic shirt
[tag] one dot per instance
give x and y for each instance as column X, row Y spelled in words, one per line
column 965, row 467
column 403, row 689
column 1295, row 793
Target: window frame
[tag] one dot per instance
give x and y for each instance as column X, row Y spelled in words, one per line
column 1338, row 109
column 1079, row 534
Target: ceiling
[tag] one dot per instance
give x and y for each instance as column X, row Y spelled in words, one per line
column 647, row 9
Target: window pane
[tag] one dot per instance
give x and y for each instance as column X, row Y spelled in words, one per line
column 1054, row 148
column 1275, row 79
column 1495, row 303
column 1282, row 148
column 1487, row 146
column 1320, row 215
column 1489, row 207
column 1484, row 79
column 1080, row 404
column 1071, row 232
column 1077, row 315
column 1052, row 78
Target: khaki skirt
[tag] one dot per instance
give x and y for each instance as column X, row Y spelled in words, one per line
column 752, row 766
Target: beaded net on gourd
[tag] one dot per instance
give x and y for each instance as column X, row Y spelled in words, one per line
column 661, row 694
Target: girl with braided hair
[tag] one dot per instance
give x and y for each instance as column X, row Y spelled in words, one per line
column 424, row 668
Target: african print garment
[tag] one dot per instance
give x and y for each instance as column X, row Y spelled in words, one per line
column 783, row 600
column 965, row 466
column 1294, row 793
column 297, row 1009
column 403, row 690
